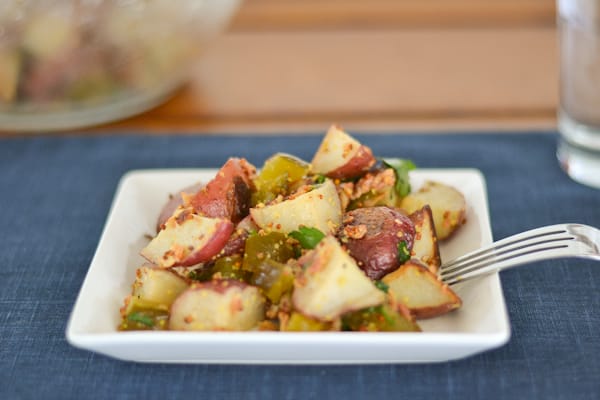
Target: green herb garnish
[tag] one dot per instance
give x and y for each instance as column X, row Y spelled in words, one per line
column 403, row 252
column 401, row 169
column 380, row 310
column 388, row 318
column 141, row 318
column 319, row 178
column 381, row 285
column 307, row 237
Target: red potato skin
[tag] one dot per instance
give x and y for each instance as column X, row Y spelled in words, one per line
column 174, row 202
column 418, row 217
column 237, row 240
column 362, row 161
column 228, row 194
column 235, row 244
column 212, row 248
column 371, row 235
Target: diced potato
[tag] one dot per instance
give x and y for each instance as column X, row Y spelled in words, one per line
column 421, row 291
column 188, row 239
column 175, row 201
column 228, row 194
column 448, row 206
column 341, row 156
column 331, row 283
column 425, row 246
column 319, row 208
column 216, row 306
column 154, row 288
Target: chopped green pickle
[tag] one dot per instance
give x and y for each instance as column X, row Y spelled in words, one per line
column 274, row 278
column 145, row 319
column 230, row 267
column 271, row 246
column 378, row 319
column 277, row 177
column 200, row 274
column 301, row 323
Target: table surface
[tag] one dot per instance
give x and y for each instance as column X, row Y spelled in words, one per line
column 381, row 65
column 53, row 217
column 486, row 68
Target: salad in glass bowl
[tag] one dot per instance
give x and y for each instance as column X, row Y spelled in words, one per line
column 72, row 63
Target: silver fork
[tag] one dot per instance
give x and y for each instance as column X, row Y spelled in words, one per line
column 554, row 241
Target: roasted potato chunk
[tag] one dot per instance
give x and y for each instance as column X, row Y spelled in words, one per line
column 175, row 201
column 340, row 156
column 153, row 292
column 331, row 283
column 318, row 208
column 228, row 194
column 448, row 206
column 379, row 238
column 425, row 247
column 421, row 291
column 188, row 239
column 218, row 305
column 154, row 288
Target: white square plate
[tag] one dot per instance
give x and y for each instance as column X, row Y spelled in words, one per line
column 481, row 324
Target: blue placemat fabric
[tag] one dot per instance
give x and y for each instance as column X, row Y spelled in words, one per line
column 55, row 193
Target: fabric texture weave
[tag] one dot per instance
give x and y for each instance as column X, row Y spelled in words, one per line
column 55, row 195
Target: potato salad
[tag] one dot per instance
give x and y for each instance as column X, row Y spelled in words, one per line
column 340, row 243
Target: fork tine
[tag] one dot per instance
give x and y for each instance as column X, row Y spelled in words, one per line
column 501, row 248
column 538, row 252
column 554, row 241
column 508, row 241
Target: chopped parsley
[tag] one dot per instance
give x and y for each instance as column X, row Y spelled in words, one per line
column 319, row 179
column 381, row 285
column 141, row 318
column 403, row 252
column 401, row 169
column 307, row 237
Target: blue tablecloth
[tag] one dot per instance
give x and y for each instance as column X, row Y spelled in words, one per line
column 55, row 195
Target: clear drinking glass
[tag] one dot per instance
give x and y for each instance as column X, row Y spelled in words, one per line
column 579, row 112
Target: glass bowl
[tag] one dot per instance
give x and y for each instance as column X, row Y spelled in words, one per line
column 74, row 63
